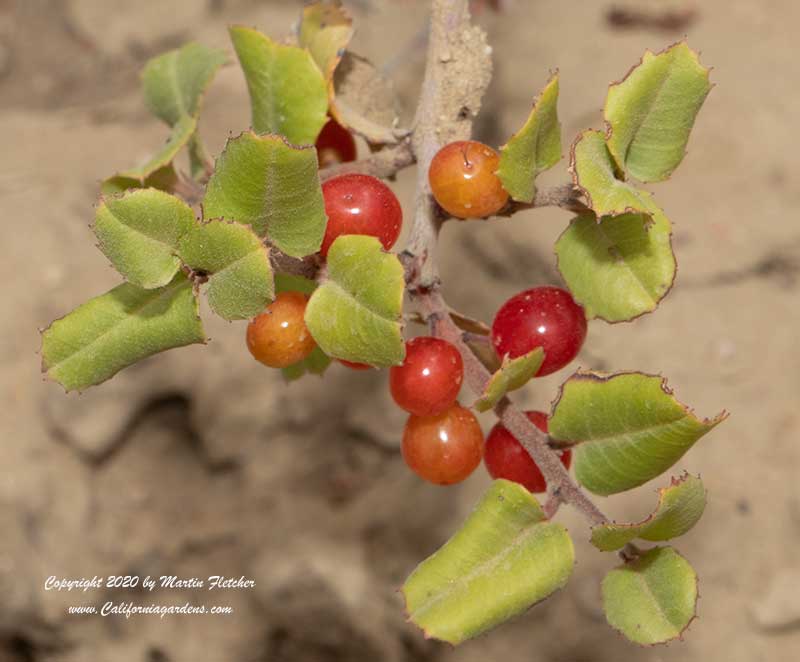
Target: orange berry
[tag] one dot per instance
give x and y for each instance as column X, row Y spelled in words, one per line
column 443, row 449
column 278, row 337
column 464, row 182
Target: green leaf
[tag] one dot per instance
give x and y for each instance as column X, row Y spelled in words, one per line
column 505, row 558
column 108, row 333
column 535, row 148
column 174, row 82
column 355, row 313
column 628, row 428
column 650, row 113
column 619, row 268
column 593, row 172
column 325, row 30
column 237, row 263
column 139, row 232
column 266, row 183
column 513, row 374
column 164, row 179
column 181, row 134
column 653, row 599
column 363, row 100
column 199, row 160
column 680, row 507
column 293, row 283
column 315, row 363
column 288, row 95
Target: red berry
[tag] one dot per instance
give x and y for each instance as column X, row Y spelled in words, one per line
column 505, row 457
column 545, row 317
column 464, row 181
column 335, row 144
column 443, row 449
column 353, row 365
column 430, row 378
column 278, row 337
column 360, row 204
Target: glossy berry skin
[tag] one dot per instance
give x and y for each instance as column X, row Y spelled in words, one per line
column 353, row 365
column 278, row 337
column 430, row 378
column 335, row 144
column 443, row 449
column 505, row 457
column 463, row 180
column 360, row 204
column 545, row 317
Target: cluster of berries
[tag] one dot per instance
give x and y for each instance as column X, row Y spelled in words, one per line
column 442, row 442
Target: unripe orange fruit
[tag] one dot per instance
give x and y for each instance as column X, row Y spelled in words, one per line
column 278, row 337
column 464, row 181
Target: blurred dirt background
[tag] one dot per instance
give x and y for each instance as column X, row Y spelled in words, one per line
column 202, row 462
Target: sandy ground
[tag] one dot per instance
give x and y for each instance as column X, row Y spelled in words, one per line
column 200, row 462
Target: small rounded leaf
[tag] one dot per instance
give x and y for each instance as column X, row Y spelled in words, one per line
column 236, row 263
column 512, row 374
column 619, row 268
column 325, row 30
column 140, row 231
column 650, row 113
column 505, row 558
column 651, row 600
column 534, row 148
column 680, row 507
column 274, row 187
column 355, row 313
column 112, row 331
column 288, row 95
column 625, row 428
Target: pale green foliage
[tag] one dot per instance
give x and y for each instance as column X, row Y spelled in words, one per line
column 175, row 81
column 620, row 267
column 266, row 183
column 355, row 313
column 650, row 113
column 182, row 132
column 593, row 171
column 173, row 85
column 680, row 507
column 112, row 331
column 651, row 600
column 288, row 94
column 163, row 179
column 240, row 283
column 139, row 232
column 628, row 428
column 506, row 557
column 325, row 30
column 512, row 374
column 535, row 148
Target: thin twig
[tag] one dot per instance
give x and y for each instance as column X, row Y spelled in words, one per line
column 384, row 164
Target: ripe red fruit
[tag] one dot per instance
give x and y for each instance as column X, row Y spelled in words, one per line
column 353, row 365
column 360, row 204
column 443, row 449
column 335, row 144
column 464, row 181
column 430, row 378
column 505, row 457
column 545, row 317
column 278, row 337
